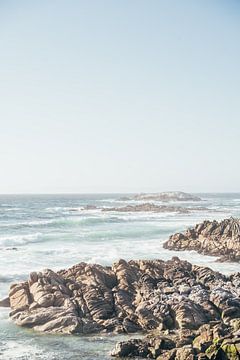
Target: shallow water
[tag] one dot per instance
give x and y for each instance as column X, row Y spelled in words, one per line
column 40, row 231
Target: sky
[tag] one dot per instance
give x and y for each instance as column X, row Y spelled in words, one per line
column 119, row 96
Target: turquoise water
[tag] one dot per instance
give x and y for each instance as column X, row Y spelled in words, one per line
column 55, row 231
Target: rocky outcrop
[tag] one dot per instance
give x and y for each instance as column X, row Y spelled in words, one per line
column 188, row 311
column 215, row 238
column 164, row 196
column 125, row 298
column 214, row 341
column 149, row 207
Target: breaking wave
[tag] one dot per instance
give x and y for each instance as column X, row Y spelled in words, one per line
column 15, row 240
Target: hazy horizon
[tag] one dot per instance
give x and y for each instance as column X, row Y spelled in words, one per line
column 119, row 193
column 119, row 97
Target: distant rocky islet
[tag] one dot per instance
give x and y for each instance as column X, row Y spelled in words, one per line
column 163, row 196
column 152, row 206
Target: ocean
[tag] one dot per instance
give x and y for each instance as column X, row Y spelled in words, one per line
column 56, row 231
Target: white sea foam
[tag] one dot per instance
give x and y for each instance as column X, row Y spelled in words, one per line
column 19, row 239
column 61, row 209
column 96, row 215
column 4, row 314
column 20, row 350
column 5, row 224
column 39, row 223
column 10, row 209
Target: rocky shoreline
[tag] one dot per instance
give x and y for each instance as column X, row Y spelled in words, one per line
column 187, row 311
column 213, row 341
column 214, row 238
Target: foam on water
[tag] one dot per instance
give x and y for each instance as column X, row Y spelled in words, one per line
column 12, row 240
column 21, row 344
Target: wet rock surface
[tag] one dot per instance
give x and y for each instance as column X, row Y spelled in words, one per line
column 215, row 238
column 182, row 307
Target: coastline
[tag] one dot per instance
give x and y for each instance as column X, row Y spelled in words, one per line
column 64, row 237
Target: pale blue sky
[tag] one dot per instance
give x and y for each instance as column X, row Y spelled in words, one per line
column 119, row 96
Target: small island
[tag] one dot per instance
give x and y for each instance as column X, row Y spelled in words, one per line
column 151, row 207
column 163, row 196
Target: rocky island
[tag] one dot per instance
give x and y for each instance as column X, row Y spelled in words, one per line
column 149, row 207
column 186, row 311
column 215, row 238
column 164, row 196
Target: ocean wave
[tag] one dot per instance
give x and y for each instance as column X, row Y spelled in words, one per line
column 6, row 205
column 14, row 240
column 5, row 209
column 33, row 223
column 25, row 223
column 110, row 200
column 13, row 277
column 85, row 219
column 88, row 219
column 99, row 218
column 5, row 278
column 60, row 209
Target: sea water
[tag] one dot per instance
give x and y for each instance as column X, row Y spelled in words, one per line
column 56, row 231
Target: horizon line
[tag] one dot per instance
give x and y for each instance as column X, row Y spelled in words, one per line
column 121, row 192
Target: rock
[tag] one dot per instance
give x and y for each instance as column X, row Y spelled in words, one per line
column 19, row 296
column 159, row 347
column 227, row 349
column 235, row 324
column 51, row 319
column 147, row 347
column 168, row 355
column 5, row 302
column 150, row 207
column 166, row 196
column 207, row 334
column 231, row 348
column 90, row 207
column 131, row 348
column 124, row 198
column 177, row 304
column 210, row 238
column 185, row 353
